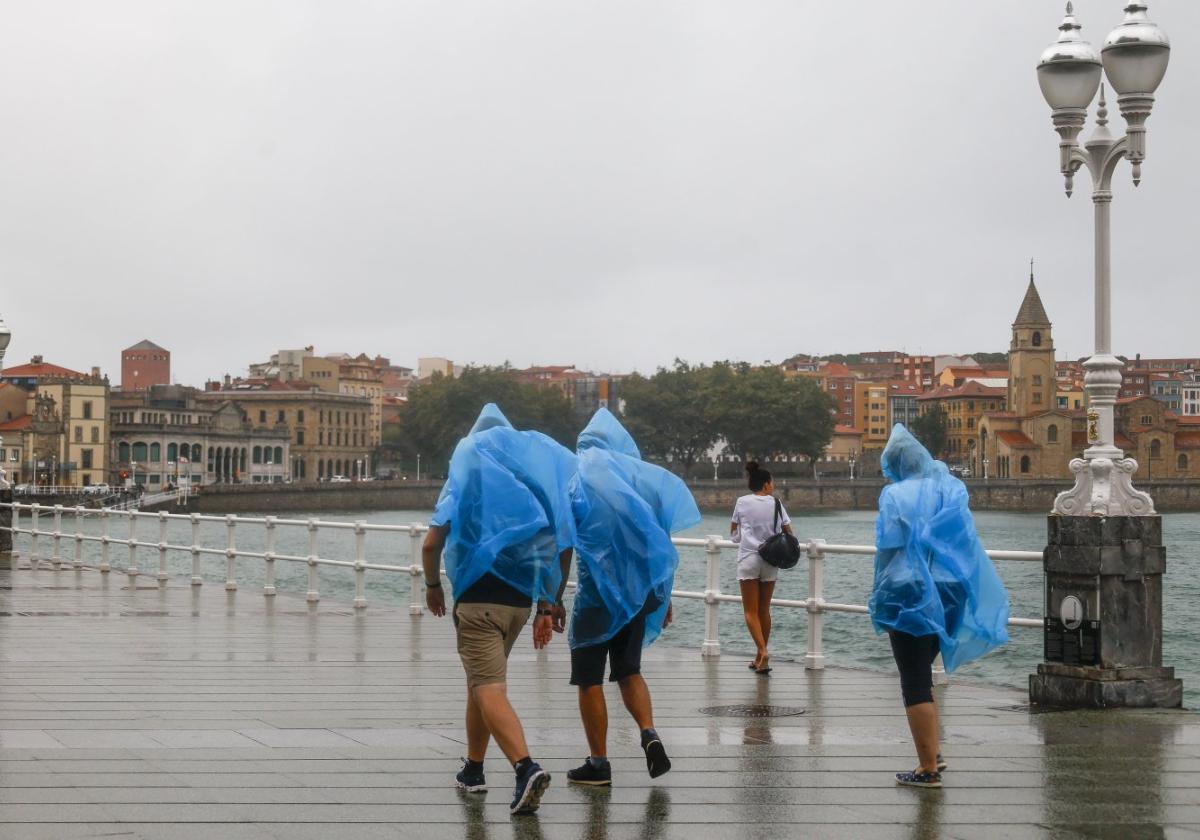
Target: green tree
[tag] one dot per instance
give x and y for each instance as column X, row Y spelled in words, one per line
column 763, row 414
column 438, row 414
column 931, row 428
column 671, row 414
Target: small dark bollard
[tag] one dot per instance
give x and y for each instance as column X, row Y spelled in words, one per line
column 1103, row 633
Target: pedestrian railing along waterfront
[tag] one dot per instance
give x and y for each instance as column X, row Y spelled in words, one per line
column 46, row 546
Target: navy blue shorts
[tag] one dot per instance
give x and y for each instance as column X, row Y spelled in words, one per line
column 623, row 651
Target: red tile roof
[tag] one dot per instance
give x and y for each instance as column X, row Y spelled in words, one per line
column 836, row 370
column 1187, row 440
column 1016, row 440
column 1079, row 441
column 968, row 390
column 846, row 430
column 42, row 369
column 17, row 423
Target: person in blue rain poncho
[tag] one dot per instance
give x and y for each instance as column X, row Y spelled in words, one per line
column 625, row 512
column 935, row 588
column 504, row 527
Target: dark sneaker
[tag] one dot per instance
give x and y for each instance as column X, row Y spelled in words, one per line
column 472, row 781
column 590, row 774
column 531, row 785
column 922, row 780
column 941, row 763
column 657, row 762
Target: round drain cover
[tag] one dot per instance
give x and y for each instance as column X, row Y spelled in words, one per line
column 752, row 711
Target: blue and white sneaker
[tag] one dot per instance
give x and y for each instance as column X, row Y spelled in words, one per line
column 531, row 785
column 472, row 781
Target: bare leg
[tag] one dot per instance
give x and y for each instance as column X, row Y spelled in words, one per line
column 594, row 712
column 923, row 724
column 501, row 720
column 637, row 700
column 750, row 611
column 766, row 589
column 478, row 735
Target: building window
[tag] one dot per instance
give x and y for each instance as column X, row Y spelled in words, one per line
column 139, row 452
column 155, row 453
column 258, row 455
column 300, row 416
column 281, row 416
column 87, row 409
column 1147, row 420
column 86, row 458
column 262, row 415
column 278, row 455
column 1156, row 448
column 300, row 437
column 1037, row 339
column 79, row 434
column 123, row 453
column 1025, row 463
column 95, row 434
column 1052, row 434
column 1037, row 397
column 1037, row 379
column 320, row 437
column 172, row 451
column 1182, row 461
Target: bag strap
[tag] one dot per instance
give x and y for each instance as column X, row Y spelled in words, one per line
column 778, row 513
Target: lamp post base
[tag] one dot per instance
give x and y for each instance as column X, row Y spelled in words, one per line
column 1056, row 686
column 1104, row 487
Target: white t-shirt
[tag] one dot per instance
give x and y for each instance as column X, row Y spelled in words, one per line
column 754, row 516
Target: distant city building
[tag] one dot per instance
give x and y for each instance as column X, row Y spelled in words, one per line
column 143, row 365
column 330, row 432
column 587, row 391
column 61, row 434
column 168, row 436
column 427, row 366
column 903, row 407
column 356, row 376
column 871, row 413
column 285, row 365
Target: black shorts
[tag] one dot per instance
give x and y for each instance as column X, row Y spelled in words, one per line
column 914, row 657
column 624, row 651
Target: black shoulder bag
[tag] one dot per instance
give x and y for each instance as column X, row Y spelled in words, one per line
column 781, row 550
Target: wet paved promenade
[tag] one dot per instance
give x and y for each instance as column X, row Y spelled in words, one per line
column 185, row 713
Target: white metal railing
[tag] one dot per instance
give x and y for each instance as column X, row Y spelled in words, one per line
column 59, row 490
column 814, row 605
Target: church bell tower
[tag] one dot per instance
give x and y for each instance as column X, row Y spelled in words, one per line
column 1032, row 379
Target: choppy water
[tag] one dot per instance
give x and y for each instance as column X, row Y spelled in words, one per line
column 848, row 639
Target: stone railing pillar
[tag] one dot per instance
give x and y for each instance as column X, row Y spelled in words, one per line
column 6, row 521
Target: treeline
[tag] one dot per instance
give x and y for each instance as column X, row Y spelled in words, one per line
column 677, row 415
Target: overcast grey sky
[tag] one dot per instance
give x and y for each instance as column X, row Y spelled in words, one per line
column 610, row 184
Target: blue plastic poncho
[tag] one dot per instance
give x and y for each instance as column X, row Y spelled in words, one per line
column 932, row 576
column 625, row 513
column 507, row 502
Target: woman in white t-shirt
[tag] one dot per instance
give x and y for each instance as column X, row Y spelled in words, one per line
column 753, row 524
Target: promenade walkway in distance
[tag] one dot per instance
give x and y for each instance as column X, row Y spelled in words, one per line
column 178, row 712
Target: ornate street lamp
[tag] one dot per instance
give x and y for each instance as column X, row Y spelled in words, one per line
column 5, row 338
column 1134, row 58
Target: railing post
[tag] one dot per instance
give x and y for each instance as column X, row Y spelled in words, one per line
column 269, row 583
column 35, row 559
column 105, row 547
column 56, row 560
column 230, row 553
column 314, row 591
column 416, row 604
column 814, row 658
column 197, row 580
column 78, row 538
column 162, row 547
column 940, row 677
column 712, row 606
column 132, row 570
column 360, row 565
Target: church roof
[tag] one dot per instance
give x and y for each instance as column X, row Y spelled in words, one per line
column 146, row 344
column 1032, row 313
column 1016, row 440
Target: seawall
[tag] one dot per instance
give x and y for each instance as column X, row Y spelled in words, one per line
column 716, row 496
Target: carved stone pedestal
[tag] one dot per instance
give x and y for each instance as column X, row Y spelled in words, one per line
column 1103, row 633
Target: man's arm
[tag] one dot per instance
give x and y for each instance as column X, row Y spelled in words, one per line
column 560, row 610
column 431, row 560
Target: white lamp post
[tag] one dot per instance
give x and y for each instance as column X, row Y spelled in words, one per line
column 1134, row 58
column 5, row 338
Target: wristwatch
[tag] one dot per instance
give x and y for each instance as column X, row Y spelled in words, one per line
column 429, row 585
column 545, row 612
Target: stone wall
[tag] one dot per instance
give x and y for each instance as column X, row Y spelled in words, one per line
column 712, row 496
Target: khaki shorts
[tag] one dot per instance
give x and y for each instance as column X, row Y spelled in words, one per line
column 486, row 635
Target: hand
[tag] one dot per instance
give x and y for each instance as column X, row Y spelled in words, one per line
column 559, row 617
column 543, row 631
column 435, row 599
column 670, row 616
